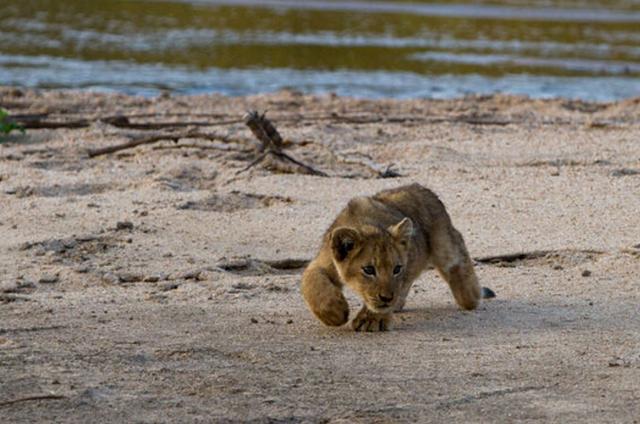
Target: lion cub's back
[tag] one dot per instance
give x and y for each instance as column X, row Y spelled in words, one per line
column 388, row 207
column 417, row 202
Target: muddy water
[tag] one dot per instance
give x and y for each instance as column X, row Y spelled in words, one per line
column 578, row 48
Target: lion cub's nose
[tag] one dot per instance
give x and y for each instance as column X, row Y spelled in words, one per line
column 385, row 298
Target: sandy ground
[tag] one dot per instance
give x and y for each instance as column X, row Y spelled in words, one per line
column 136, row 286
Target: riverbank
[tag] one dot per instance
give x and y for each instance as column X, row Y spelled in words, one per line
column 160, row 283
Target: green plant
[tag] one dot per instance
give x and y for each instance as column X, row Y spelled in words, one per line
column 6, row 126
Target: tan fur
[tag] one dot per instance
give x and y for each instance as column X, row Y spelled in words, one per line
column 406, row 227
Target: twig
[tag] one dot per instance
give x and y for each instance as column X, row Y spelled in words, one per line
column 123, row 122
column 535, row 254
column 132, row 143
column 30, row 398
column 485, row 395
column 374, row 168
column 175, row 137
column 10, row 297
column 213, row 146
column 37, row 122
column 31, row 329
column 288, row 263
column 271, row 145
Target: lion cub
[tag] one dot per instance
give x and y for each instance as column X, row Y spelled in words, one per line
column 378, row 246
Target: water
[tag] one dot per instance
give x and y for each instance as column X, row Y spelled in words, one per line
column 542, row 48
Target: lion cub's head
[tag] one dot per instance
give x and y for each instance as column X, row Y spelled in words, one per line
column 372, row 261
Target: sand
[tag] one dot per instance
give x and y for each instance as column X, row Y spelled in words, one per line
column 158, row 284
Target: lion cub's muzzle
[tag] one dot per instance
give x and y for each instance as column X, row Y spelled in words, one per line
column 382, row 303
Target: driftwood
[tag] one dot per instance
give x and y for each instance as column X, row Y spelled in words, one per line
column 42, row 121
column 270, row 147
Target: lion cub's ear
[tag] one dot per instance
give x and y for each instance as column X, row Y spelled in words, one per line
column 402, row 231
column 343, row 241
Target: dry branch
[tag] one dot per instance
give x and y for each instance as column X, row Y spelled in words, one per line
column 153, row 138
column 124, row 122
column 31, row 398
column 271, row 147
column 42, row 121
column 535, row 254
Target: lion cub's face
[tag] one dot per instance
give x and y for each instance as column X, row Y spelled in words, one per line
column 372, row 261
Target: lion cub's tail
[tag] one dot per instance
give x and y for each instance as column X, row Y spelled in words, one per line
column 487, row 293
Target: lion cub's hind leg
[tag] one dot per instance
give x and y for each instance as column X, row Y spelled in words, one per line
column 452, row 261
column 324, row 298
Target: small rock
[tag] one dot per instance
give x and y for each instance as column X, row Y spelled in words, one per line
column 109, row 277
column 83, row 269
column 124, row 225
column 253, row 320
column 86, row 238
column 157, row 297
column 586, row 273
column 616, row 362
column 289, row 321
column 130, row 277
column 557, row 267
column 151, row 279
column 204, row 276
column 25, row 191
column 16, row 92
column 26, row 245
column 48, row 279
column 242, row 286
column 625, row 172
column 191, row 275
column 69, row 244
column 8, row 287
column 276, row 288
column 168, row 286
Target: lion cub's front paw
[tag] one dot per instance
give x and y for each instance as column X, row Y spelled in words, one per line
column 370, row 321
column 333, row 311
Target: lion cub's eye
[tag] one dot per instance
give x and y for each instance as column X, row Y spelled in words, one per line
column 397, row 270
column 369, row 270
